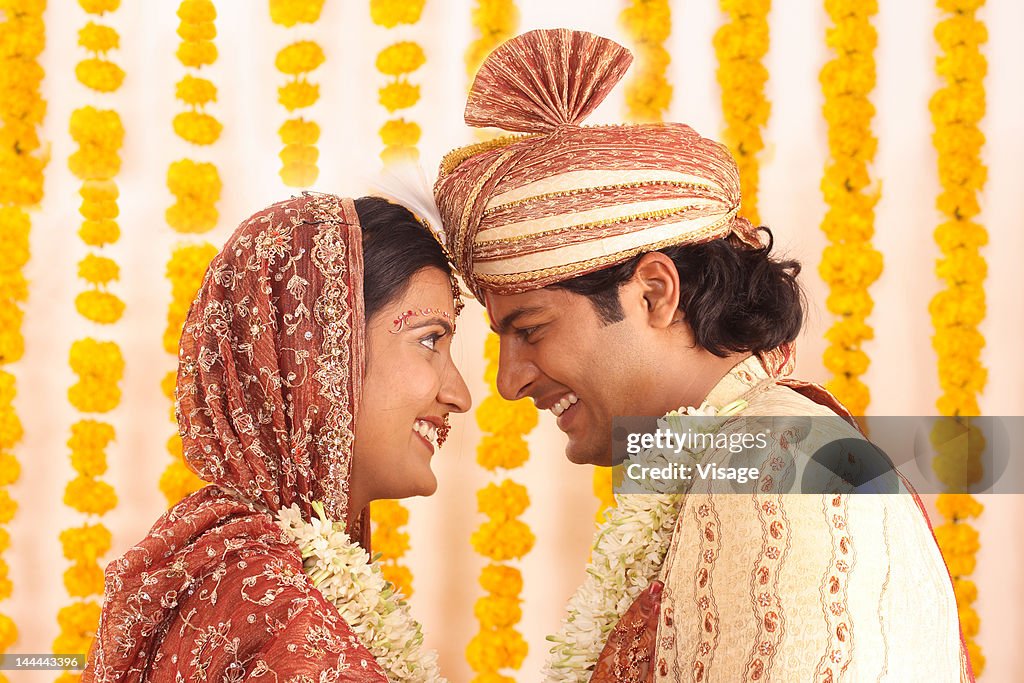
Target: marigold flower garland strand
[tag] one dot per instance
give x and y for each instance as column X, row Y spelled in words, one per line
column 397, row 61
column 196, row 187
column 958, row 310
column 648, row 92
column 740, row 45
column 23, row 37
column 494, row 22
column 98, row 364
column 297, row 60
column 399, row 137
column 849, row 263
column 503, row 537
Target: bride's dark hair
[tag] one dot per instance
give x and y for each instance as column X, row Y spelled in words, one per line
column 395, row 247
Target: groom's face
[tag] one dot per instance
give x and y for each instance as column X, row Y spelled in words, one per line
column 556, row 350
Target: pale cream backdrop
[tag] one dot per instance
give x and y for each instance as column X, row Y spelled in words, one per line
column 902, row 375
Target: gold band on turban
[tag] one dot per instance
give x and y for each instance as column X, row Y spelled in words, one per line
column 563, row 199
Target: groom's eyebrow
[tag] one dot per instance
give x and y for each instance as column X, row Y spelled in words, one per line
column 512, row 317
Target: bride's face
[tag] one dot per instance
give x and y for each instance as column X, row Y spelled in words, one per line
column 410, row 385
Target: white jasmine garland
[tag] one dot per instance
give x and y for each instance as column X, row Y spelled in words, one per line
column 627, row 554
column 346, row 576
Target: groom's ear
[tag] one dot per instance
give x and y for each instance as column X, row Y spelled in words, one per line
column 657, row 281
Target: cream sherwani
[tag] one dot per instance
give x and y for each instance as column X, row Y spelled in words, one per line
column 804, row 587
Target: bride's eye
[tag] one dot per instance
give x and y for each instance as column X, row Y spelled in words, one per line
column 430, row 341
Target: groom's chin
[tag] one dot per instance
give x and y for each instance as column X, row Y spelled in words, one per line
column 588, row 454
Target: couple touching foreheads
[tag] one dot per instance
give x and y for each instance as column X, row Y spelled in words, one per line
column 315, row 376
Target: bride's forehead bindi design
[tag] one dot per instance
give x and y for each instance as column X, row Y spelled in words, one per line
column 399, row 322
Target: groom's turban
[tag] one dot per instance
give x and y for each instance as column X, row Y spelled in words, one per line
column 525, row 211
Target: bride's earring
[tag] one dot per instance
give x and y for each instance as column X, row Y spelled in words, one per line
column 442, row 431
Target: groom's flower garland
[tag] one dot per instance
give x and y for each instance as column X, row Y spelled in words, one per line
column 503, row 536
column 628, row 551
column 849, row 263
column 346, row 576
column 740, row 45
column 648, row 92
column 957, row 109
column 98, row 365
column 196, row 187
column 297, row 60
column 21, row 186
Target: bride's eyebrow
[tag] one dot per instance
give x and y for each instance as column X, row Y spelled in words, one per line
column 436, row 317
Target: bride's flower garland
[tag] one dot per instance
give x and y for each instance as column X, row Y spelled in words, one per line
column 849, row 263
column 958, row 310
column 297, row 60
column 21, row 186
column 628, row 551
column 98, row 365
column 346, row 576
column 196, row 187
column 740, row 45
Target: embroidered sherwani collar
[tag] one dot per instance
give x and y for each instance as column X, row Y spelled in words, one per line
column 741, row 382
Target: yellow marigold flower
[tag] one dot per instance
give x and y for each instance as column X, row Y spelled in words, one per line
column 197, row 128
column 14, row 232
column 99, row 191
column 977, row 659
column 965, row 591
column 391, row 544
column 197, row 187
column 195, row 92
column 13, row 286
column 303, row 155
column 197, row 11
column 299, row 132
column 197, row 33
column 178, row 481
column 852, row 34
column 95, row 359
column 8, row 632
column 175, row 447
column 852, row 392
column 83, row 580
column 399, row 576
column 291, row 12
column 298, row 94
column 12, row 344
column 100, row 307
column 391, row 13
column 849, row 332
column 98, row 38
column 491, row 650
column 505, row 501
column 400, row 58
column 99, row 6
column 79, row 618
column 99, row 233
column 5, row 540
column 496, row 451
column 90, row 435
column 960, row 565
column 90, row 496
column 99, row 74
column 298, row 175
column 300, row 57
column 957, row 538
column 846, row 362
column 960, row 6
column 197, row 53
column 89, row 463
column 100, row 127
column 10, row 469
column 98, row 269
column 962, row 102
column 191, row 215
column 8, row 506
column 398, row 94
column 501, row 580
column 104, row 209
column 393, row 155
column 389, row 513
column 737, row 40
column 962, row 63
column 168, row 384
column 497, row 612
column 503, row 540
column 960, row 30
column 958, row 506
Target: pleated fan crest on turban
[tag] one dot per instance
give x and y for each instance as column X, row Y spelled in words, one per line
column 561, row 199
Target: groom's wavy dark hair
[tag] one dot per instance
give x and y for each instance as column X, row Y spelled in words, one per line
column 736, row 298
column 396, row 246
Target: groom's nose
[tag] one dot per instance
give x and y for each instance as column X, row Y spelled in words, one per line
column 516, row 371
